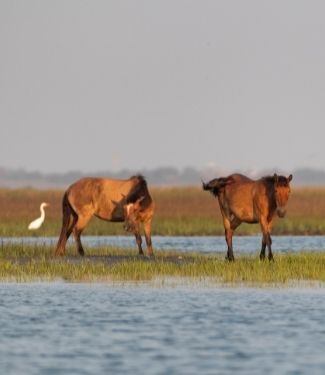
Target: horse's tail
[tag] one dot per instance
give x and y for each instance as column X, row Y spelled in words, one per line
column 215, row 185
column 67, row 226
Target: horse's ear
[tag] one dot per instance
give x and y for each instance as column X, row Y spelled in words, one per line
column 276, row 178
column 290, row 178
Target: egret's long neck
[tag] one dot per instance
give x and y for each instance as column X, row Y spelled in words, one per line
column 42, row 212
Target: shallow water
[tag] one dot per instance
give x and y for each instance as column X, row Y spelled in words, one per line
column 107, row 329
column 204, row 244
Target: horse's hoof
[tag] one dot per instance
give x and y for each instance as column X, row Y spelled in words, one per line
column 59, row 253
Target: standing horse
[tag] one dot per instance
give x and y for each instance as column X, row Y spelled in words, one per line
column 110, row 200
column 244, row 200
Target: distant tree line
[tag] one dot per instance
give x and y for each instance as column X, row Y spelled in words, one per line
column 164, row 176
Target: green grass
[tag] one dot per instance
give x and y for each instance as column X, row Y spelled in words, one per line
column 22, row 263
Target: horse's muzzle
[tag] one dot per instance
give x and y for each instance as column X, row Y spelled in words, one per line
column 281, row 212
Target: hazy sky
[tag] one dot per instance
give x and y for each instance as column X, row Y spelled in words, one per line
column 106, row 85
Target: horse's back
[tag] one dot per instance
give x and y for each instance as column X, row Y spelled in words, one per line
column 98, row 195
column 238, row 178
column 90, row 186
column 241, row 187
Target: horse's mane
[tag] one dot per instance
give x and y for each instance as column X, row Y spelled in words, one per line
column 139, row 190
column 270, row 180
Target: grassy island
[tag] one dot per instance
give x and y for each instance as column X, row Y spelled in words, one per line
column 25, row 263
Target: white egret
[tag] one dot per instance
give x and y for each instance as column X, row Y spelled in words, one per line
column 39, row 221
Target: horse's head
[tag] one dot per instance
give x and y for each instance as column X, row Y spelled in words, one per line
column 281, row 191
column 131, row 214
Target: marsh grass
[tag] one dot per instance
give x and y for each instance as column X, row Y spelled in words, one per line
column 180, row 211
column 23, row 263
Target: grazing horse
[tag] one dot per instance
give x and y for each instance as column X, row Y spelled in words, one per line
column 110, row 200
column 250, row 201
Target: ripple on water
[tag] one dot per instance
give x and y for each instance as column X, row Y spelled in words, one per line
column 87, row 329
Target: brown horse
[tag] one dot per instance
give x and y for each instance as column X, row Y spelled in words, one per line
column 244, row 200
column 110, row 200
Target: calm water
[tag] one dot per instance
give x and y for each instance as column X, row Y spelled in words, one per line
column 205, row 244
column 109, row 329
column 141, row 329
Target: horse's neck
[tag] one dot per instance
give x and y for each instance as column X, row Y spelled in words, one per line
column 272, row 201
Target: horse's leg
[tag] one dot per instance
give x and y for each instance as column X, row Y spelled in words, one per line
column 262, row 254
column 77, row 230
column 266, row 240
column 230, row 252
column 77, row 234
column 138, row 239
column 234, row 223
column 270, row 255
column 228, row 236
column 147, row 233
column 66, row 230
column 269, row 243
column 64, row 236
